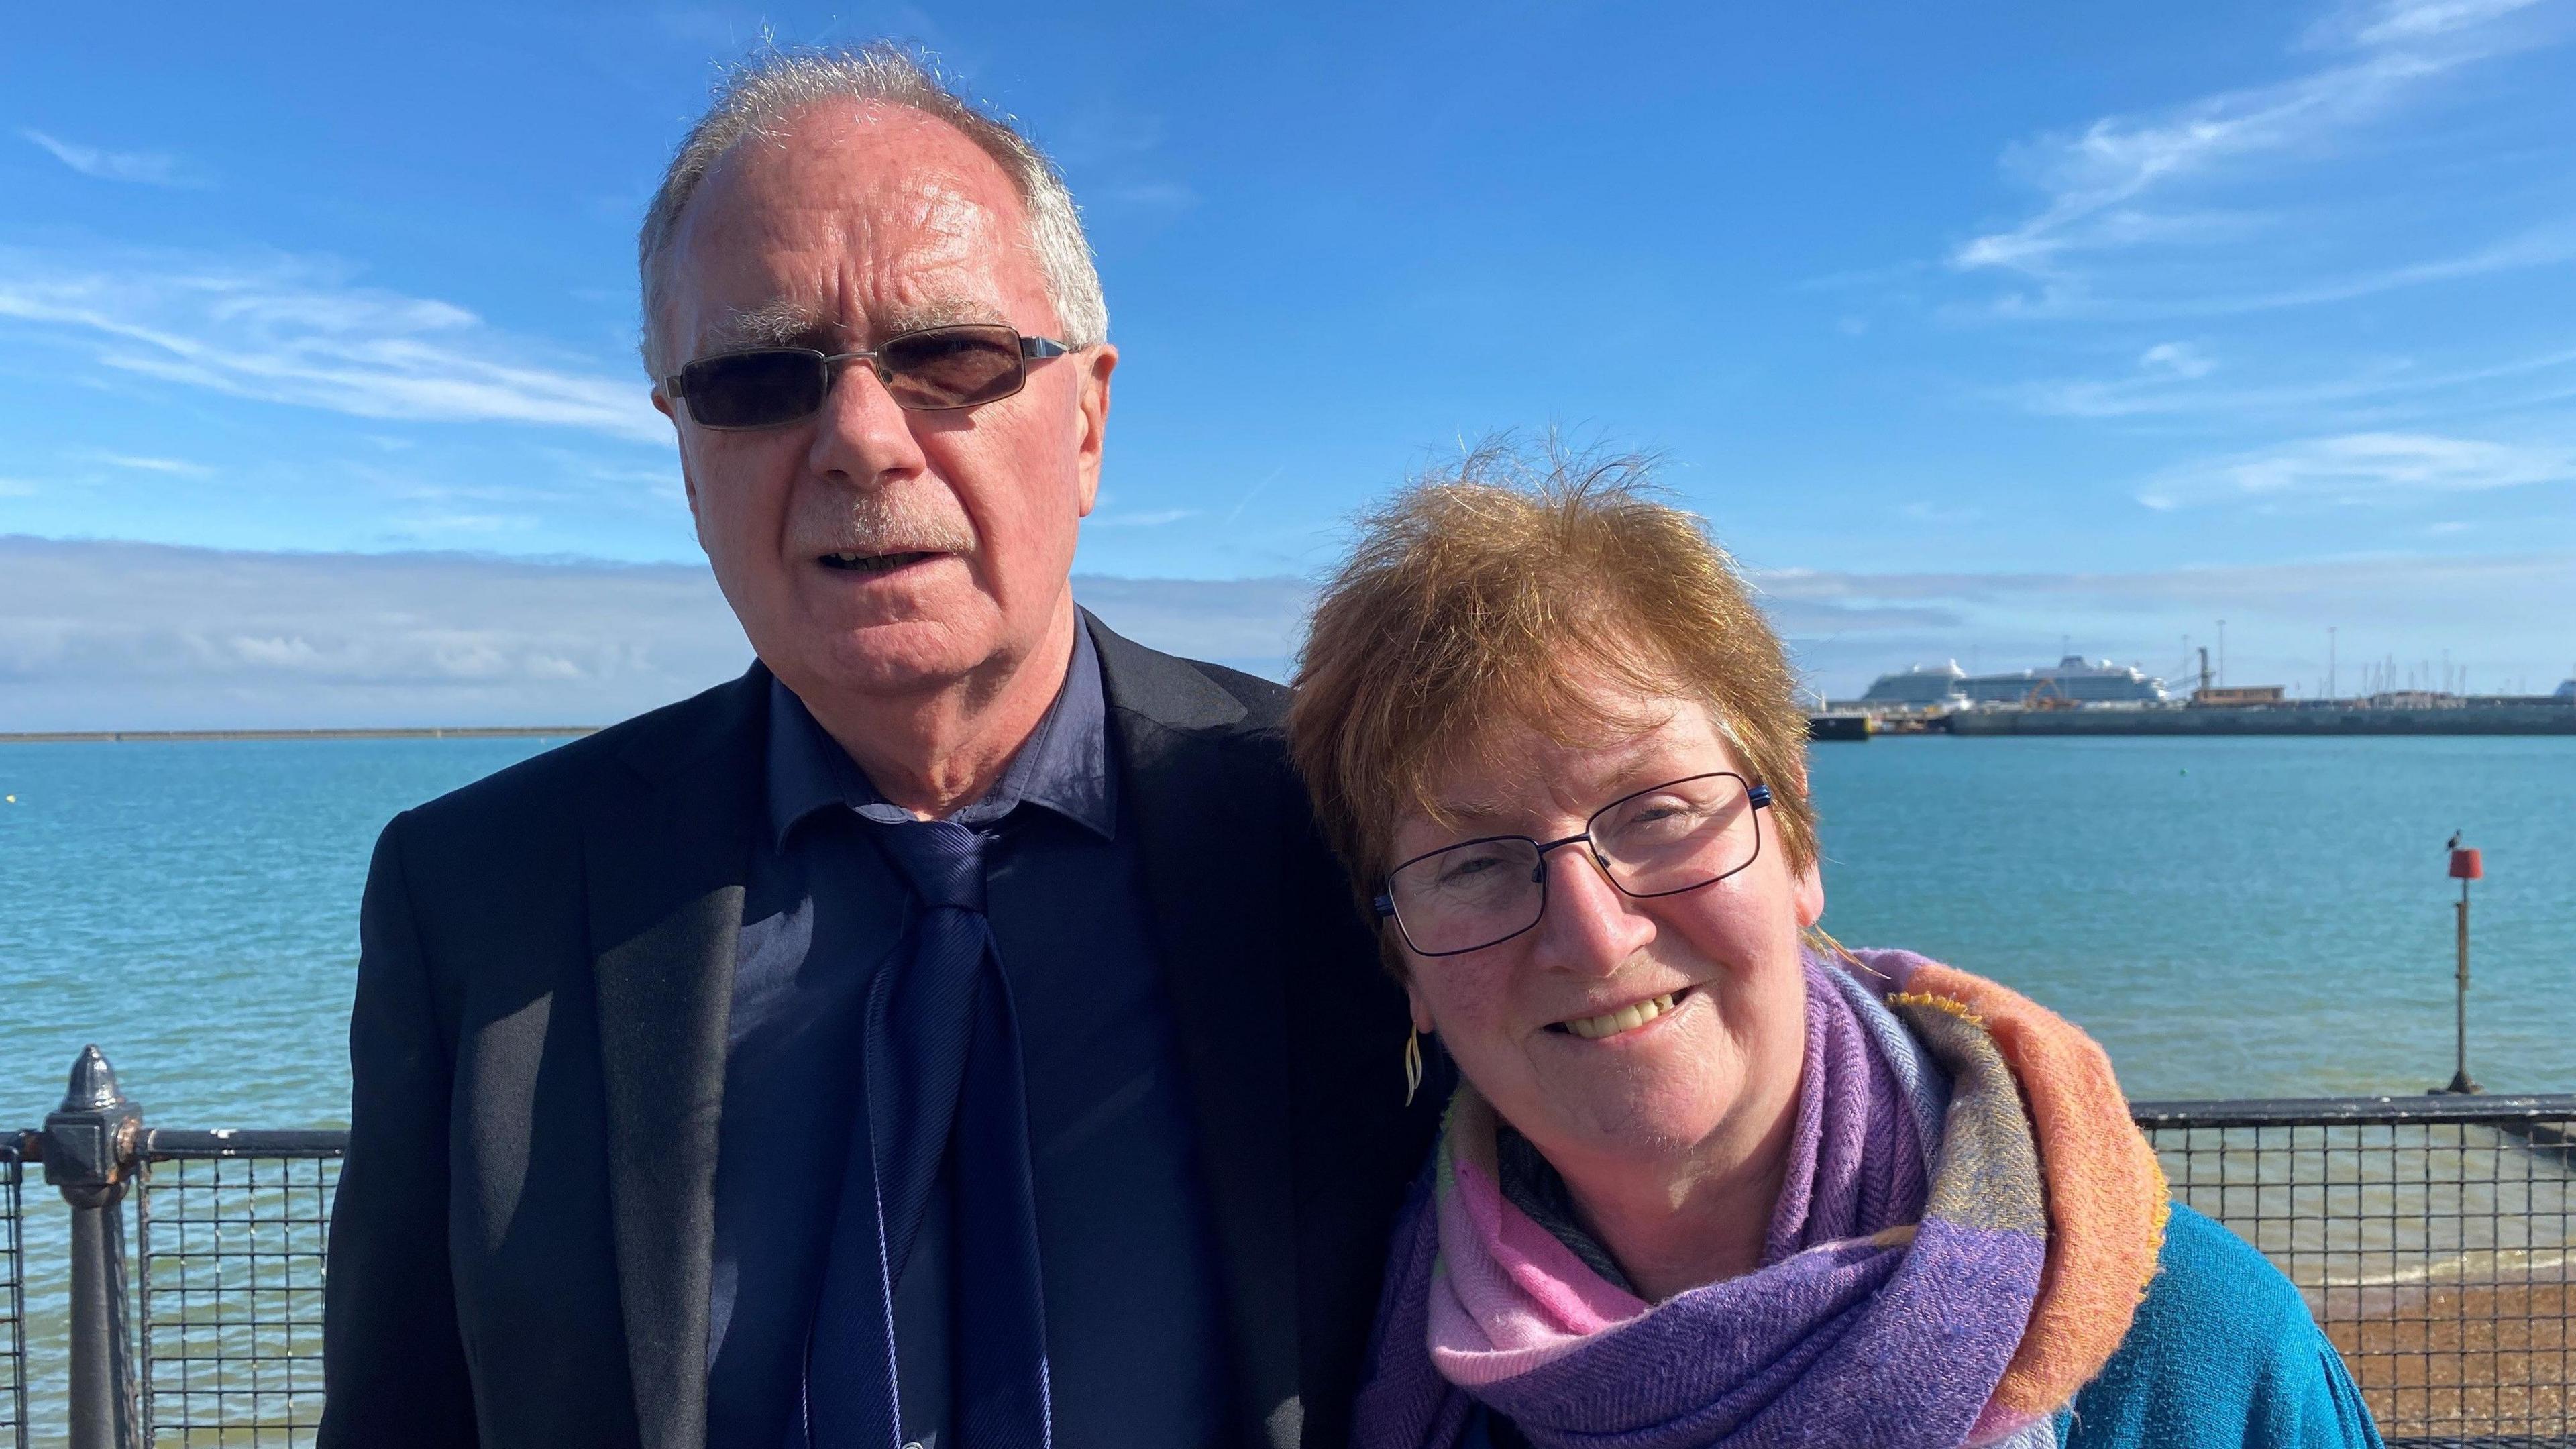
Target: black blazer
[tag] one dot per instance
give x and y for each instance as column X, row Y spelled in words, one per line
column 520, row 1246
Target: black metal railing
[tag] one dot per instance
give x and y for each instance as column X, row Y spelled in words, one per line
column 219, row 1341
column 13, row 1299
column 228, row 1303
column 2431, row 1237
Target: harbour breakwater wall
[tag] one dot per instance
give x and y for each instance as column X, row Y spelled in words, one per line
column 2273, row 720
column 421, row 732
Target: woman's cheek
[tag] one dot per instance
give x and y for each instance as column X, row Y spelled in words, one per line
column 1470, row 998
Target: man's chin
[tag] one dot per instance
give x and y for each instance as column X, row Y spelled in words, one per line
column 886, row 659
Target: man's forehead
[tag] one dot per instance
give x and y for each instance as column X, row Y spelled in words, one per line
column 852, row 221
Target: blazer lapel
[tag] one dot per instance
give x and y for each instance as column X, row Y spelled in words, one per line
column 1206, row 850
column 665, row 867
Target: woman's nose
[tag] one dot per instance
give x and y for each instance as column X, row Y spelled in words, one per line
column 1590, row 927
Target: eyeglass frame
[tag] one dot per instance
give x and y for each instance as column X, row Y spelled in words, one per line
column 1757, row 795
column 1032, row 349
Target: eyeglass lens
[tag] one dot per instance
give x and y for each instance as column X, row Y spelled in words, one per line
column 944, row 367
column 1675, row 837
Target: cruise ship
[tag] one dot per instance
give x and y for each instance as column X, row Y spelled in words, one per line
column 2074, row 678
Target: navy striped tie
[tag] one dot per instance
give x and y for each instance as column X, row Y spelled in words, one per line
column 942, row 1067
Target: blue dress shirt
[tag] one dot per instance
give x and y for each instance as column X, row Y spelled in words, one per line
column 1135, row 1326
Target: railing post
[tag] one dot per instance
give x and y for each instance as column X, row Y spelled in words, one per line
column 88, row 1149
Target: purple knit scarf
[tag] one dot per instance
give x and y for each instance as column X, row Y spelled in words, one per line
column 1872, row 1320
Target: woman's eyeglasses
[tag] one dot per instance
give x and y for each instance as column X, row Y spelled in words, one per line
column 932, row 370
column 1678, row 836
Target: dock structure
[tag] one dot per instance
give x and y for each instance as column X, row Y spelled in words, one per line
column 418, row 732
column 2540, row 716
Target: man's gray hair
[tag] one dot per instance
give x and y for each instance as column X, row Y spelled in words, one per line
column 762, row 97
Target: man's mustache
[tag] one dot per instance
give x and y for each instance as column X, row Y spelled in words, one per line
column 885, row 523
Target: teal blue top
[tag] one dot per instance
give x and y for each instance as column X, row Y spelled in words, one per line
column 2222, row 1352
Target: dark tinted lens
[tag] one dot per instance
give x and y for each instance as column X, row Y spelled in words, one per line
column 953, row 367
column 754, row 389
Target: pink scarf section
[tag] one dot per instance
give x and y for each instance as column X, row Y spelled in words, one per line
column 1858, row 1165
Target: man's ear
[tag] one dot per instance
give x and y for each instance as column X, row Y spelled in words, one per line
column 1091, row 418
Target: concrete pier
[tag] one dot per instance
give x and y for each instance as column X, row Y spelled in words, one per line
column 2294, row 719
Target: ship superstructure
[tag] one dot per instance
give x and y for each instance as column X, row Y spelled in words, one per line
column 2073, row 679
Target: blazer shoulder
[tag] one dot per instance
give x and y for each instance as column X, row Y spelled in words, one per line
column 1183, row 694
column 1264, row 701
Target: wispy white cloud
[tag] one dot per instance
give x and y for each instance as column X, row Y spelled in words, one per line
column 2500, row 613
column 2175, row 359
column 2361, row 468
column 244, row 638
column 431, row 525
column 2069, row 295
column 230, row 638
column 2369, row 389
column 313, row 639
column 179, row 466
column 301, row 331
column 2396, row 22
column 2123, row 182
column 151, row 168
column 1152, row 518
column 17, row 488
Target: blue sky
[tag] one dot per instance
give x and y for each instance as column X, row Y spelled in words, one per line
column 1971, row 332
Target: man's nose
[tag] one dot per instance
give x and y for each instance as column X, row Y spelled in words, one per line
column 1591, row 928
column 861, row 433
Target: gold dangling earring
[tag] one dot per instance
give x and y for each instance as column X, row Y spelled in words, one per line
column 1412, row 1064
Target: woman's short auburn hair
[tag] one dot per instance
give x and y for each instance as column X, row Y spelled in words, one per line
column 1508, row 588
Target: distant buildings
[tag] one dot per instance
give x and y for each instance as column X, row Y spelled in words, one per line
column 2236, row 696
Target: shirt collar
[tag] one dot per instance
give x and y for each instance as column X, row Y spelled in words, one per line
column 1063, row 766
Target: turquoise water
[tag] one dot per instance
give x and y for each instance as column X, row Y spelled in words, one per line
column 2230, row 917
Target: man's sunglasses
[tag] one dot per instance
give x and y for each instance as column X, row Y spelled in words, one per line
column 932, row 370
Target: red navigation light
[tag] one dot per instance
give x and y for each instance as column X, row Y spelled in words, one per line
column 2465, row 865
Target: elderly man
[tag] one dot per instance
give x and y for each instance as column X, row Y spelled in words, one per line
column 949, row 1033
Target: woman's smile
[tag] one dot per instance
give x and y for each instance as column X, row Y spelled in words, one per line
column 1624, row 1024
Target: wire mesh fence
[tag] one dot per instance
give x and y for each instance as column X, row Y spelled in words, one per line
column 13, row 1296
column 2430, row 1238
column 229, row 1258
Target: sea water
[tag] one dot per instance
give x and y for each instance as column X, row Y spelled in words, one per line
column 2230, row 917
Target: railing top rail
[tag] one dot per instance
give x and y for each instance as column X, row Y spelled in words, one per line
column 170, row 1144
column 2332, row 1111
column 162, row 1144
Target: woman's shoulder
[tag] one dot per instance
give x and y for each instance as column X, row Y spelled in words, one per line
column 2212, row 1287
column 2222, row 1351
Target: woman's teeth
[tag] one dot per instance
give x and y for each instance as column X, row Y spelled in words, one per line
column 1626, row 1018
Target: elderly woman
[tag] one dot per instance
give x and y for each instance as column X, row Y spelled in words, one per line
column 1709, row 1178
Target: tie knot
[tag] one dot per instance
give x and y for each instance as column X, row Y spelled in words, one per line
column 943, row 860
